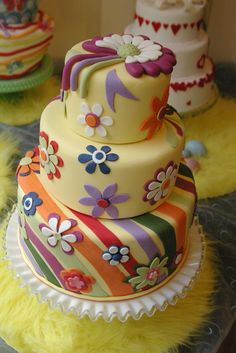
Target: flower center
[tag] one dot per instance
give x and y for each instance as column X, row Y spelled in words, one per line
column 57, row 236
column 92, row 120
column 165, row 184
column 161, row 113
column 75, row 282
column 99, row 157
column 44, row 155
column 103, row 203
column 28, row 203
column 153, row 274
column 117, row 257
column 128, row 50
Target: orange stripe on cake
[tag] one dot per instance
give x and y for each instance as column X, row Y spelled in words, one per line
column 87, row 248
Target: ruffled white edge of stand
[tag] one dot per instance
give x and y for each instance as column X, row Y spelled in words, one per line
column 148, row 304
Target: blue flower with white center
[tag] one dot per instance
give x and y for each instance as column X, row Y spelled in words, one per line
column 30, row 203
column 97, row 157
column 116, row 255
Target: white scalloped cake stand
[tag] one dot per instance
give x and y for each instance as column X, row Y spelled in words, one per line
column 148, row 304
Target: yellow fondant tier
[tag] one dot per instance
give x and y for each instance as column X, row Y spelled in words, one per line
column 108, row 181
column 106, row 104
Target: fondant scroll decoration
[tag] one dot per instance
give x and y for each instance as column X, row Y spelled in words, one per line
column 140, row 55
column 115, row 86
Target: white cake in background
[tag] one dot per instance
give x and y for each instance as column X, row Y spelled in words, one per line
column 179, row 25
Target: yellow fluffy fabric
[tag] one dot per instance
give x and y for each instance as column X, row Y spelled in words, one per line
column 31, row 327
column 216, row 129
column 26, row 107
column 8, row 148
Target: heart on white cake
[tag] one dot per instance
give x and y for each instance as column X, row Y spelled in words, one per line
column 201, row 62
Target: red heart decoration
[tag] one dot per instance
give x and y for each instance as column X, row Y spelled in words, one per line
column 135, row 16
column 140, row 20
column 165, row 25
column 147, row 22
column 185, row 25
column 199, row 24
column 175, row 28
column 189, row 102
column 201, row 62
column 156, row 26
column 192, row 25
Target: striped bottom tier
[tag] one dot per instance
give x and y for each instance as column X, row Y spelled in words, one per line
column 103, row 259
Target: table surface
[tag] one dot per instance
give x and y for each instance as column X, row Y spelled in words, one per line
column 218, row 217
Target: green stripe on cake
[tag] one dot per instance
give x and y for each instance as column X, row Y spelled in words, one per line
column 163, row 230
column 185, row 171
column 44, row 268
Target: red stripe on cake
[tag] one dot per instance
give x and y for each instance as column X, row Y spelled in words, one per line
column 106, row 236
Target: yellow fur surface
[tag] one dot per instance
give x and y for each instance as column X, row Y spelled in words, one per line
column 216, row 128
column 8, row 148
column 31, row 327
column 28, row 108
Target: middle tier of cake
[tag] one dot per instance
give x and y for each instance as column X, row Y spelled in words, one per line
column 108, row 181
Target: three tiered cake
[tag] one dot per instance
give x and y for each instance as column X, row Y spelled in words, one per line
column 105, row 203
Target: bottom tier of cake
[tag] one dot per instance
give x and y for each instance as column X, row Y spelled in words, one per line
column 194, row 93
column 104, row 259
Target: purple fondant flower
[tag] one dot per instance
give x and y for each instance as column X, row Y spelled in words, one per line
column 140, row 54
column 103, row 202
column 57, row 231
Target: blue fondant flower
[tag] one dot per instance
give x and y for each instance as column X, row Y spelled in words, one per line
column 14, row 66
column 30, row 203
column 97, row 157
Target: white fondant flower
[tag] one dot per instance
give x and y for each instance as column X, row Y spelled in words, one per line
column 115, row 255
column 163, row 181
column 133, row 49
column 93, row 120
column 56, row 231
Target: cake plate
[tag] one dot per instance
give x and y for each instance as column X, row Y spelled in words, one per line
column 31, row 80
column 176, row 288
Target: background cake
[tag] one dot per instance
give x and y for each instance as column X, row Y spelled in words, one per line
column 105, row 203
column 179, row 25
column 25, row 34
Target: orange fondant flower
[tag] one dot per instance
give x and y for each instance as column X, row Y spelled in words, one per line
column 154, row 122
column 29, row 163
column 76, row 281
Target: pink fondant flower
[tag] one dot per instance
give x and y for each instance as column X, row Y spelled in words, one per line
column 76, row 281
column 103, row 202
column 60, row 232
column 49, row 159
column 162, row 183
column 140, row 54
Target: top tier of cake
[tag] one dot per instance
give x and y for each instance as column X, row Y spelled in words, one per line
column 170, row 23
column 17, row 11
column 115, row 88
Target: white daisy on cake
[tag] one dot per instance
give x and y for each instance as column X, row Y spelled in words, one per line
column 93, row 121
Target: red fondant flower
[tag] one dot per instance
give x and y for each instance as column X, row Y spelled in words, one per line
column 154, row 122
column 29, row 163
column 49, row 160
column 76, row 281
